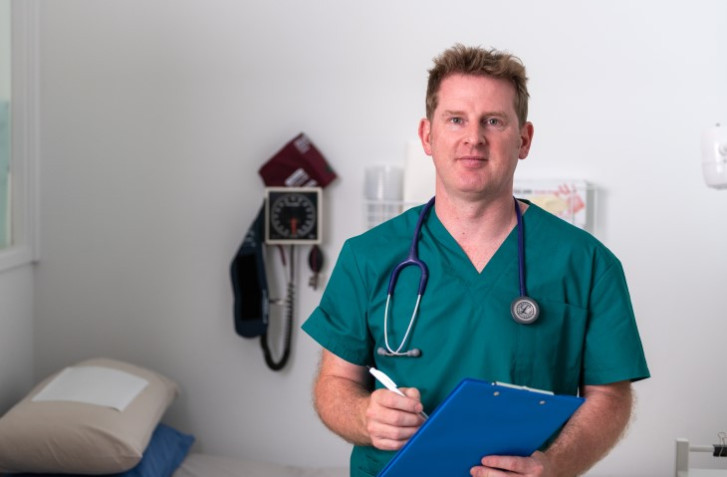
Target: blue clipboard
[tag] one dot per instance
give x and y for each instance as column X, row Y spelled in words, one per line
column 481, row 418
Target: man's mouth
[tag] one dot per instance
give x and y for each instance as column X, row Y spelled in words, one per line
column 474, row 160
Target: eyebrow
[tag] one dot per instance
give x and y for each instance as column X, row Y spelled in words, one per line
column 454, row 112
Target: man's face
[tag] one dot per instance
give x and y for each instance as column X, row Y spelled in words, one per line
column 474, row 137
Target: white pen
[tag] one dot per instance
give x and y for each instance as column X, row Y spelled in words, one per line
column 390, row 385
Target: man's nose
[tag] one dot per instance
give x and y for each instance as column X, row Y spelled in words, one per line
column 475, row 134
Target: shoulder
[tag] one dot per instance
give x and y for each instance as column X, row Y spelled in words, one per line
column 553, row 233
column 380, row 246
column 397, row 229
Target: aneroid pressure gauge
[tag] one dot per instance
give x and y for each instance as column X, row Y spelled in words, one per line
column 293, row 215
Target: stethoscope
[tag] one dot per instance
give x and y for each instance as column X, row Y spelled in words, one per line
column 524, row 310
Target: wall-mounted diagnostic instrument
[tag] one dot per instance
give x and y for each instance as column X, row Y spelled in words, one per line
column 293, row 215
column 289, row 218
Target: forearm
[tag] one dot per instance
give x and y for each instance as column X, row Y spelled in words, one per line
column 341, row 404
column 593, row 431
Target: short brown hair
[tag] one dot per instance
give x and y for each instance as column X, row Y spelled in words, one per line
column 478, row 61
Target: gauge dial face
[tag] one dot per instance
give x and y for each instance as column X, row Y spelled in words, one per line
column 293, row 215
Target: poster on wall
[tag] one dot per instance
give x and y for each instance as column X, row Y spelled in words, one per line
column 571, row 200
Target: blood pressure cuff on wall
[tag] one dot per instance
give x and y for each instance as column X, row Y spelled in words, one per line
column 297, row 164
column 249, row 282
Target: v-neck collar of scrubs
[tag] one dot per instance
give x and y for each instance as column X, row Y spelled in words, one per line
column 504, row 257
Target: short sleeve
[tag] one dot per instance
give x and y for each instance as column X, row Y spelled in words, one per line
column 613, row 350
column 339, row 323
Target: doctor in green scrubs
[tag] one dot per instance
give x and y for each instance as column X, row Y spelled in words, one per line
column 585, row 340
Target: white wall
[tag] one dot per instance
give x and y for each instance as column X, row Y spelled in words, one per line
column 4, row 50
column 156, row 115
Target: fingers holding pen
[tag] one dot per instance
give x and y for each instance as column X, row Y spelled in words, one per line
column 412, row 402
column 391, row 419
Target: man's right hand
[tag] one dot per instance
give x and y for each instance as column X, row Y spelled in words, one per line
column 383, row 418
column 392, row 419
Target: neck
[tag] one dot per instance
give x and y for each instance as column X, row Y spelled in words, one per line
column 486, row 218
column 479, row 227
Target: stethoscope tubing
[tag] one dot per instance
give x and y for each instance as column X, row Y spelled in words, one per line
column 413, row 257
column 520, row 249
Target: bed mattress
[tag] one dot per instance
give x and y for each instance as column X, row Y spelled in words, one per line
column 205, row 465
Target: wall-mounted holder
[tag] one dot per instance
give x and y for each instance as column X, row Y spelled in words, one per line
column 683, row 450
column 714, row 157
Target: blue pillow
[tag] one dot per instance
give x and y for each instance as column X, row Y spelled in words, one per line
column 166, row 450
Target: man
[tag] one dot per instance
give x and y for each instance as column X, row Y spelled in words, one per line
column 585, row 340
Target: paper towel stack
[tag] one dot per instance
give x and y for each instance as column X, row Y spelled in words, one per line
column 390, row 189
column 419, row 176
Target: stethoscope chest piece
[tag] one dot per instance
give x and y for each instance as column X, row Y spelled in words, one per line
column 524, row 310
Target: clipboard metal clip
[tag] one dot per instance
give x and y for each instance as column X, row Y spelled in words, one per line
column 524, row 388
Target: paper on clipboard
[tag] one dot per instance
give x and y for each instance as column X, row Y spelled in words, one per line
column 480, row 418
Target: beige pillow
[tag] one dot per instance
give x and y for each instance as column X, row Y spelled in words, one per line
column 74, row 437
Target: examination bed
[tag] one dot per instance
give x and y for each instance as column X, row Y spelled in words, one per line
column 103, row 417
column 203, row 465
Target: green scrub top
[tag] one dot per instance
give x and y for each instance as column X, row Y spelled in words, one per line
column 586, row 332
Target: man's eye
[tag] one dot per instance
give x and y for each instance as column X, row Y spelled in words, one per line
column 456, row 120
column 493, row 122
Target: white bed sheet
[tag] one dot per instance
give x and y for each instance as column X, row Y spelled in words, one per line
column 205, row 465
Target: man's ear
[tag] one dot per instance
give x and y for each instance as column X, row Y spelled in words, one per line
column 526, row 139
column 425, row 130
